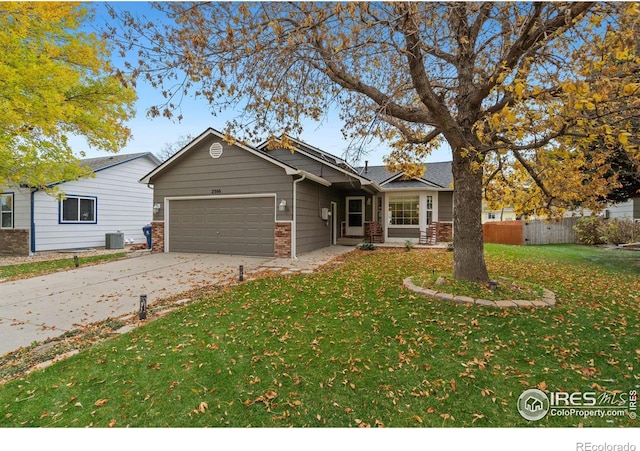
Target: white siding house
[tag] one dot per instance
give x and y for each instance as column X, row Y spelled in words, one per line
column 112, row 201
column 629, row 209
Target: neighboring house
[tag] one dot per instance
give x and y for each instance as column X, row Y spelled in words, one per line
column 629, row 209
column 504, row 214
column 215, row 197
column 112, row 201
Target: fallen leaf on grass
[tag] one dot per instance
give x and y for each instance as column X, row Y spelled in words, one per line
column 101, row 402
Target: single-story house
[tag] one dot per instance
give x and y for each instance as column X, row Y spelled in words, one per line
column 216, row 197
column 113, row 201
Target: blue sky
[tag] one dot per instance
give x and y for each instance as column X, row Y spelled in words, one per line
column 151, row 135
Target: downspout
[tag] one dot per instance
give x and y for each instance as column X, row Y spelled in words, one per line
column 294, row 227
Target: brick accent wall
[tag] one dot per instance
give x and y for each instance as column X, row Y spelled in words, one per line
column 283, row 240
column 14, row 242
column 157, row 236
column 444, row 231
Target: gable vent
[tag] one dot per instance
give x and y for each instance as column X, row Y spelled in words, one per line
column 215, row 150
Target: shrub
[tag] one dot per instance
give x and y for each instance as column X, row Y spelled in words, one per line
column 621, row 231
column 596, row 230
column 590, row 230
column 367, row 247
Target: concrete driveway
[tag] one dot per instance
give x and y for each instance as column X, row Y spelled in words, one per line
column 44, row 307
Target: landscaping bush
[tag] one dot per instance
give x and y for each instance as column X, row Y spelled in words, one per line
column 590, row 230
column 621, row 231
column 596, row 230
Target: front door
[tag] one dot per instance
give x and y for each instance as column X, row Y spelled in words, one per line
column 355, row 216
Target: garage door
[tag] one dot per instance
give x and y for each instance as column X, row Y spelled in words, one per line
column 240, row 226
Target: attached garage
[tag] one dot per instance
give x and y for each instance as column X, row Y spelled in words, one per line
column 222, row 225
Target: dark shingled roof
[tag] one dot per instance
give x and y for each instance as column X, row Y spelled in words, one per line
column 439, row 174
column 100, row 163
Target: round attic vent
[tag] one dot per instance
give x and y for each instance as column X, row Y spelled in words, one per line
column 215, row 150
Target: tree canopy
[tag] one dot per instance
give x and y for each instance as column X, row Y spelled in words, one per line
column 55, row 81
column 519, row 91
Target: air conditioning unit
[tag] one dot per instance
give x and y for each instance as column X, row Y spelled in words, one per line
column 114, row 240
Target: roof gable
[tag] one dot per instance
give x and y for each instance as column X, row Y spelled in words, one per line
column 289, row 170
column 438, row 175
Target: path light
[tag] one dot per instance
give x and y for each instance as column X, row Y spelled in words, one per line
column 143, row 306
column 241, row 276
column 493, row 285
column 75, row 261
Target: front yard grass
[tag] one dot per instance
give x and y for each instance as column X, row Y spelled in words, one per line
column 348, row 347
column 24, row 270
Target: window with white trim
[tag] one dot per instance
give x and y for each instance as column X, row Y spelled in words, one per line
column 429, row 209
column 6, row 211
column 78, row 210
column 403, row 210
column 491, row 215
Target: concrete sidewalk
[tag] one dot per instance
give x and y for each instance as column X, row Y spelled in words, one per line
column 44, row 307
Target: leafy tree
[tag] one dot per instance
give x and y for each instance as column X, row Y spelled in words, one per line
column 55, row 82
column 515, row 89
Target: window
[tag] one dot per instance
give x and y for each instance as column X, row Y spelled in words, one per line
column 403, row 210
column 429, row 209
column 6, row 210
column 491, row 215
column 75, row 209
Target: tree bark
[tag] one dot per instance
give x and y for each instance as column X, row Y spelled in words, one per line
column 468, row 246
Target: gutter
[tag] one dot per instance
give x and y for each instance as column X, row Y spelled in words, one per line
column 308, row 176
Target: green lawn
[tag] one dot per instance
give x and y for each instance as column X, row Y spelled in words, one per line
column 350, row 347
column 24, row 270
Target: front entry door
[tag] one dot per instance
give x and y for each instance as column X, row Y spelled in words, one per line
column 355, row 216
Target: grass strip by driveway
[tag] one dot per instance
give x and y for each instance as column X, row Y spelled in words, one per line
column 24, row 270
column 349, row 347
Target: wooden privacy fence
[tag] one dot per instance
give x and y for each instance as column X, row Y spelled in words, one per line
column 537, row 231
column 503, row 232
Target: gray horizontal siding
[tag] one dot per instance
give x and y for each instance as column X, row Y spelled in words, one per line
column 404, row 233
column 300, row 161
column 445, row 206
column 312, row 232
column 237, row 171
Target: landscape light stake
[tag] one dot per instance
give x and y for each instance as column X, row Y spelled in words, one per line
column 143, row 306
column 493, row 285
column 241, row 277
column 75, row 261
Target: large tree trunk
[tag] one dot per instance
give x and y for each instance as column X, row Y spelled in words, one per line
column 468, row 247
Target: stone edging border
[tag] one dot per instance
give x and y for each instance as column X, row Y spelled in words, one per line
column 548, row 298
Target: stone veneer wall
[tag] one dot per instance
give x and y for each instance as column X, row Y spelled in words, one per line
column 283, row 240
column 157, row 236
column 14, row 242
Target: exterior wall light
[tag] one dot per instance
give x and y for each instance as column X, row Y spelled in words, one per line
column 156, row 208
column 283, row 205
